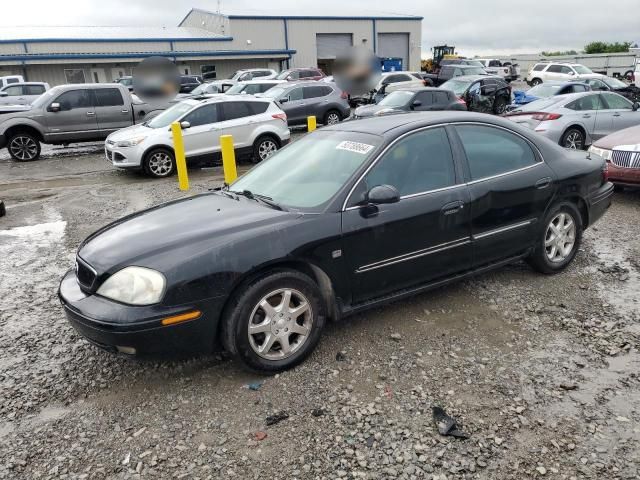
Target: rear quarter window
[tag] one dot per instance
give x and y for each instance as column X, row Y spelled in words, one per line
column 257, row 108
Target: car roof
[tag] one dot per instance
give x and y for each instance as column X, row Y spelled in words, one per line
column 472, row 78
column 384, row 74
column 225, row 98
column 306, row 82
column 266, row 80
column 420, row 89
column 412, row 120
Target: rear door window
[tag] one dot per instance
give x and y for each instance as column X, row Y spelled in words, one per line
column 492, row 151
column 554, row 69
column 233, row 110
column 425, row 98
column 203, row 116
column 440, row 98
column 34, row 89
column 108, row 97
column 588, row 102
column 316, row 91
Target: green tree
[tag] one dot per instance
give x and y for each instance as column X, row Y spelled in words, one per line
column 605, row 47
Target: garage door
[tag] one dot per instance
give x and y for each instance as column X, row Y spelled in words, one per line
column 330, row 44
column 394, row 45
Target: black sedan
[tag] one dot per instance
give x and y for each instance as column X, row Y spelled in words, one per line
column 420, row 99
column 481, row 93
column 610, row 84
column 347, row 218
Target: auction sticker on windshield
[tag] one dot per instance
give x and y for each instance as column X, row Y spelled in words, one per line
column 356, row 147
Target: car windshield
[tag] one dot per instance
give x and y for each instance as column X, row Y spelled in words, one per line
column 543, row 90
column 540, row 105
column 457, row 86
column 126, row 81
column 615, row 83
column 283, row 75
column 475, row 63
column 474, row 71
column 309, row 172
column 277, row 92
column 398, row 98
column 236, row 89
column 43, row 99
column 581, row 69
column 170, row 115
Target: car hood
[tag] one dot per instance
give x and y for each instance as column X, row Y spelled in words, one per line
column 369, row 110
column 130, row 132
column 628, row 136
column 170, row 233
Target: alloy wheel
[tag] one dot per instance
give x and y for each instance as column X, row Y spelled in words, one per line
column 23, row 147
column 160, row 164
column 280, row 324
column 333, row 118
column 560, row 237
column 573, row 141
column 266, row 149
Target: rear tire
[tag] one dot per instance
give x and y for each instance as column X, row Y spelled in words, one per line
column 536, row 81
column 274, row 322
column 628, row 75
column 159, row 163
column 559, row 239
column 574, row 139
column 264, row 147
column 24, row 147
column 332, row 117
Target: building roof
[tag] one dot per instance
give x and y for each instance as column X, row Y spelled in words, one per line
column 110, row 34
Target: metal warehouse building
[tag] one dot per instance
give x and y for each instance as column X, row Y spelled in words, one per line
column 204, row 43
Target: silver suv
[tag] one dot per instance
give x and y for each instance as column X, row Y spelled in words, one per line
column 544, row 71
column 300, row 100
column 258, row 127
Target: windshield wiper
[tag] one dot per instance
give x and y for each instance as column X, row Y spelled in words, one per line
column 263, row 198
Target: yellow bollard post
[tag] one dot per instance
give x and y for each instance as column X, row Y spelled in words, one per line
column 311, row 123
column 228, row 159
column 181, row 161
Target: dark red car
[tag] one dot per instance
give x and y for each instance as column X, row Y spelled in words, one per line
column 294, row 74
column 621, row 150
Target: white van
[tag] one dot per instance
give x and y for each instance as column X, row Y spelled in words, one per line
column 9, row 79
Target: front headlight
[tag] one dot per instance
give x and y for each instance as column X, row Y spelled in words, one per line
column 604, row 153
column 130, row 143
column 135, row 286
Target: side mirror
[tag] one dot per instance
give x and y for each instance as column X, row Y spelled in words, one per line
column 54, row 107
column 184, row 125
column 382, row 194
column 4, row 94
column 283, row 100
column 571, row 73
column 416, row 103
column 636, row 106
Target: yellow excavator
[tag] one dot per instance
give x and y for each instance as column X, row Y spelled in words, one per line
column 440, row 52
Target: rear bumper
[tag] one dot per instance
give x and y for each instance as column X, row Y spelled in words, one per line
column 137, row 330
column 599, row 202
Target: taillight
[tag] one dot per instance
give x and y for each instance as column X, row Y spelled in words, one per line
column 281, row 116
column 344, row 95
column 461, row 100
column 543, row 117
column 605, row 172
column 424, row 82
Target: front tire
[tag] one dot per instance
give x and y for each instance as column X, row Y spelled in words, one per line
column 559, row 241
column 159, row 163
column 500, row 106
column 264, row 147
column 332, row 117
column 24, row 147
column 573, row 138
column 274, row 322
column 535, row 82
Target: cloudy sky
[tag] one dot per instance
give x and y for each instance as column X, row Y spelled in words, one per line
column 475, row 27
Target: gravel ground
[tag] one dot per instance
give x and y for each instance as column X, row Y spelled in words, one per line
column 541, row 372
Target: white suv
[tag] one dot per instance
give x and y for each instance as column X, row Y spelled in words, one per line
column 542, row 72
column 258, row 126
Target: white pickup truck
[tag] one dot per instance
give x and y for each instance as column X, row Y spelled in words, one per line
column 506, row 70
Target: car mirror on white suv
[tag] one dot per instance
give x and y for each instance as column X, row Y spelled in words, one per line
column 284, row 100
column 54, row 107
column 184, row 125
column 4, row 94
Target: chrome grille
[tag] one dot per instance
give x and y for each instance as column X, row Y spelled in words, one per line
column 625, row 159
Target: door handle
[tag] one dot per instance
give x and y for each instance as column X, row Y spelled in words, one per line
column 90, row 114
column 616, row 114
column 125, row 111
column 586, row 115
column 543, row 183
column 452, row 208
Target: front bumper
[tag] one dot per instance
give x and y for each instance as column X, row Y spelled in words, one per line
column 138, row 330
column 599, row 202
column 123, row 157
column 624, row 176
